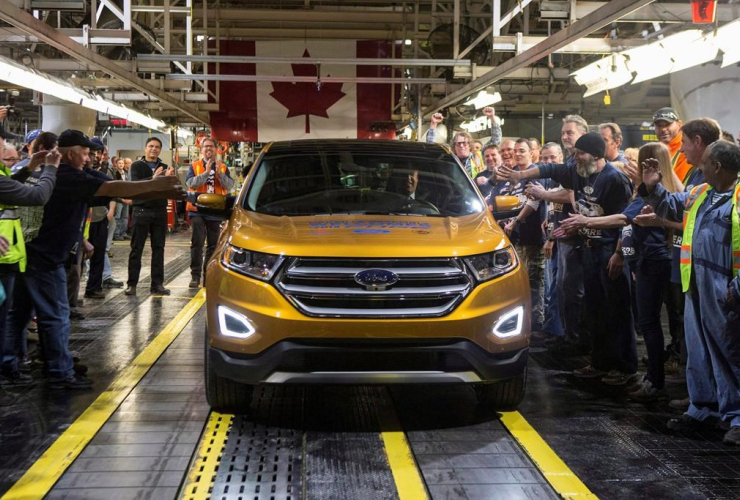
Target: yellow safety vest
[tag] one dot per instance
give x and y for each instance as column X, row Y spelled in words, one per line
column 696, row 197
column 10, row 228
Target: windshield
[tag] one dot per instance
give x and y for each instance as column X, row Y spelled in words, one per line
column 326, row 182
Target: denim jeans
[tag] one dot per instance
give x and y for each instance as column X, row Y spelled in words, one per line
column 553, row 324
column 8, row 344
column 46, row 292
column 570, row 291
column 607, row 302
column 121, row 220
column 652, row 277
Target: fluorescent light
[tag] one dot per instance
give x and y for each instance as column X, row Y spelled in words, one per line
column 484, row 99
column 407, row 42
column 648, row 62
column 12, row 72
column 604, row 74
column 726, row 39
column 690, row 48
column 480, row 123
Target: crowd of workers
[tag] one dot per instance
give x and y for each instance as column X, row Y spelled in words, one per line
column 63, row 200
column 623, row 234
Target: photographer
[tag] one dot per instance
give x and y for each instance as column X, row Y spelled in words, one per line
column 207, row 175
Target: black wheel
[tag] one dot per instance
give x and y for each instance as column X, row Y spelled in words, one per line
column 225, row 395
column 505, row 395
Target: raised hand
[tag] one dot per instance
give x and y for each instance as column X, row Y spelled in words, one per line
column 158, row 172
column 53, row 157
column 648, row 218
column 572, row 224
column 651, row 174
column 436, row 119
column 489, row 112
column 535, row 191
column 508, row 174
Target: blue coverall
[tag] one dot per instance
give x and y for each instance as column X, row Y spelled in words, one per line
column 712, row 328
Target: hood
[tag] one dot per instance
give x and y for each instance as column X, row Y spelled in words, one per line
column 366, row 236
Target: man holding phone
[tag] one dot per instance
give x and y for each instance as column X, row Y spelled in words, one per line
column 206, row 175
column 149, row 217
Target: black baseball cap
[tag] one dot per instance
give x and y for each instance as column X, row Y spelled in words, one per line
column 71, row 137
column 666, row 114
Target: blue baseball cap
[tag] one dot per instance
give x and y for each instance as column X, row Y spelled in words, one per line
column 98, row 142
column 32, row 135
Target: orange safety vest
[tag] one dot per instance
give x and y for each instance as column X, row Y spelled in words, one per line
column 200, row 168
column 681, row 167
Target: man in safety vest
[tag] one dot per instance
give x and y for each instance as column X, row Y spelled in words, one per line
column 206, row 175
column 668, row 129
column 710, row 260
column 14, row 193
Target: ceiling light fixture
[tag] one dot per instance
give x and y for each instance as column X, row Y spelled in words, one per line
column 483, row 99
column 14, row 73
column 726, row 39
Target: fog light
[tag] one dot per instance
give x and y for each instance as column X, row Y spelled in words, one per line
column 510, row 324
column 233, row 324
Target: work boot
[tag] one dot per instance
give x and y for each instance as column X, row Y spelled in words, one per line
column 112, row 283
column 732, row 436
column 74, row 314
column 194, row 283
column 16, row 378
column 160, row 290
column 646, row 393
column 71, row 382
column 95, row 294
column 680, row 404
column 685, row 423
column 130, row 290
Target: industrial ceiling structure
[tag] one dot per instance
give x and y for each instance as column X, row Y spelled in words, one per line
column 163, row 58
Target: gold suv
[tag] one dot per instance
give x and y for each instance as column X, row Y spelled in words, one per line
column 363, row 262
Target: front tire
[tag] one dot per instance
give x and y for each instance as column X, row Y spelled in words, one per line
column 504, row 395
column 223, row 394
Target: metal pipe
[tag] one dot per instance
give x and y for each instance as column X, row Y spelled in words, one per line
column 295, row 79
column 306, row 60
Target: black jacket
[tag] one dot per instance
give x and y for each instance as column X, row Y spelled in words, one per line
column 141, row 171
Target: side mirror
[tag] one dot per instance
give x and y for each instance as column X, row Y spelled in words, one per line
column 216, row 205
column 506, row 207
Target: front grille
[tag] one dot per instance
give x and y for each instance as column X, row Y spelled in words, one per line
column 322, row 287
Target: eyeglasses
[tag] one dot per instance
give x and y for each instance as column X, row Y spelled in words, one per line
column 10, row 159
column 462, row 143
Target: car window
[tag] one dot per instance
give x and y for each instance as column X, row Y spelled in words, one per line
column 356, row 182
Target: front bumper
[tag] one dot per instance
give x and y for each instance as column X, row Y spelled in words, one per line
column 299, row 361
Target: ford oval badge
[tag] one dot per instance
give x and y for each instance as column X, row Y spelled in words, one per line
column 376, row 279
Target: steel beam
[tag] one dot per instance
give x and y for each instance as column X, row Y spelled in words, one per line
column 304, row 79
column 306, row 60
column 22, row 19
column 581, row 28
column 662, row 12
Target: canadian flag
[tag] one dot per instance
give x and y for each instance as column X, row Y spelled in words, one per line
column 287, row 110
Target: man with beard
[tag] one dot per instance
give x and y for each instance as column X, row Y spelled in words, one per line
column 599, row 189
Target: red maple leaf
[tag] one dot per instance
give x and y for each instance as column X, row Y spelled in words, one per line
column 306, row 98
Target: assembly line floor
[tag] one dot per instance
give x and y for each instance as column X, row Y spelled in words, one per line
column 145, row 431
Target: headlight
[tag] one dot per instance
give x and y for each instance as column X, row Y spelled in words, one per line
column 492, row 265
column 261, row 266
column 510, row 324
column 234, row 324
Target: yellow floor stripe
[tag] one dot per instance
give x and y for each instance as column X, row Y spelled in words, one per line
column 42, row 475
column 203, row 470
column 405, row 472
column 560, row 477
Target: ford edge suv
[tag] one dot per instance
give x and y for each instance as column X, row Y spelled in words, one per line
column 363, row 262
